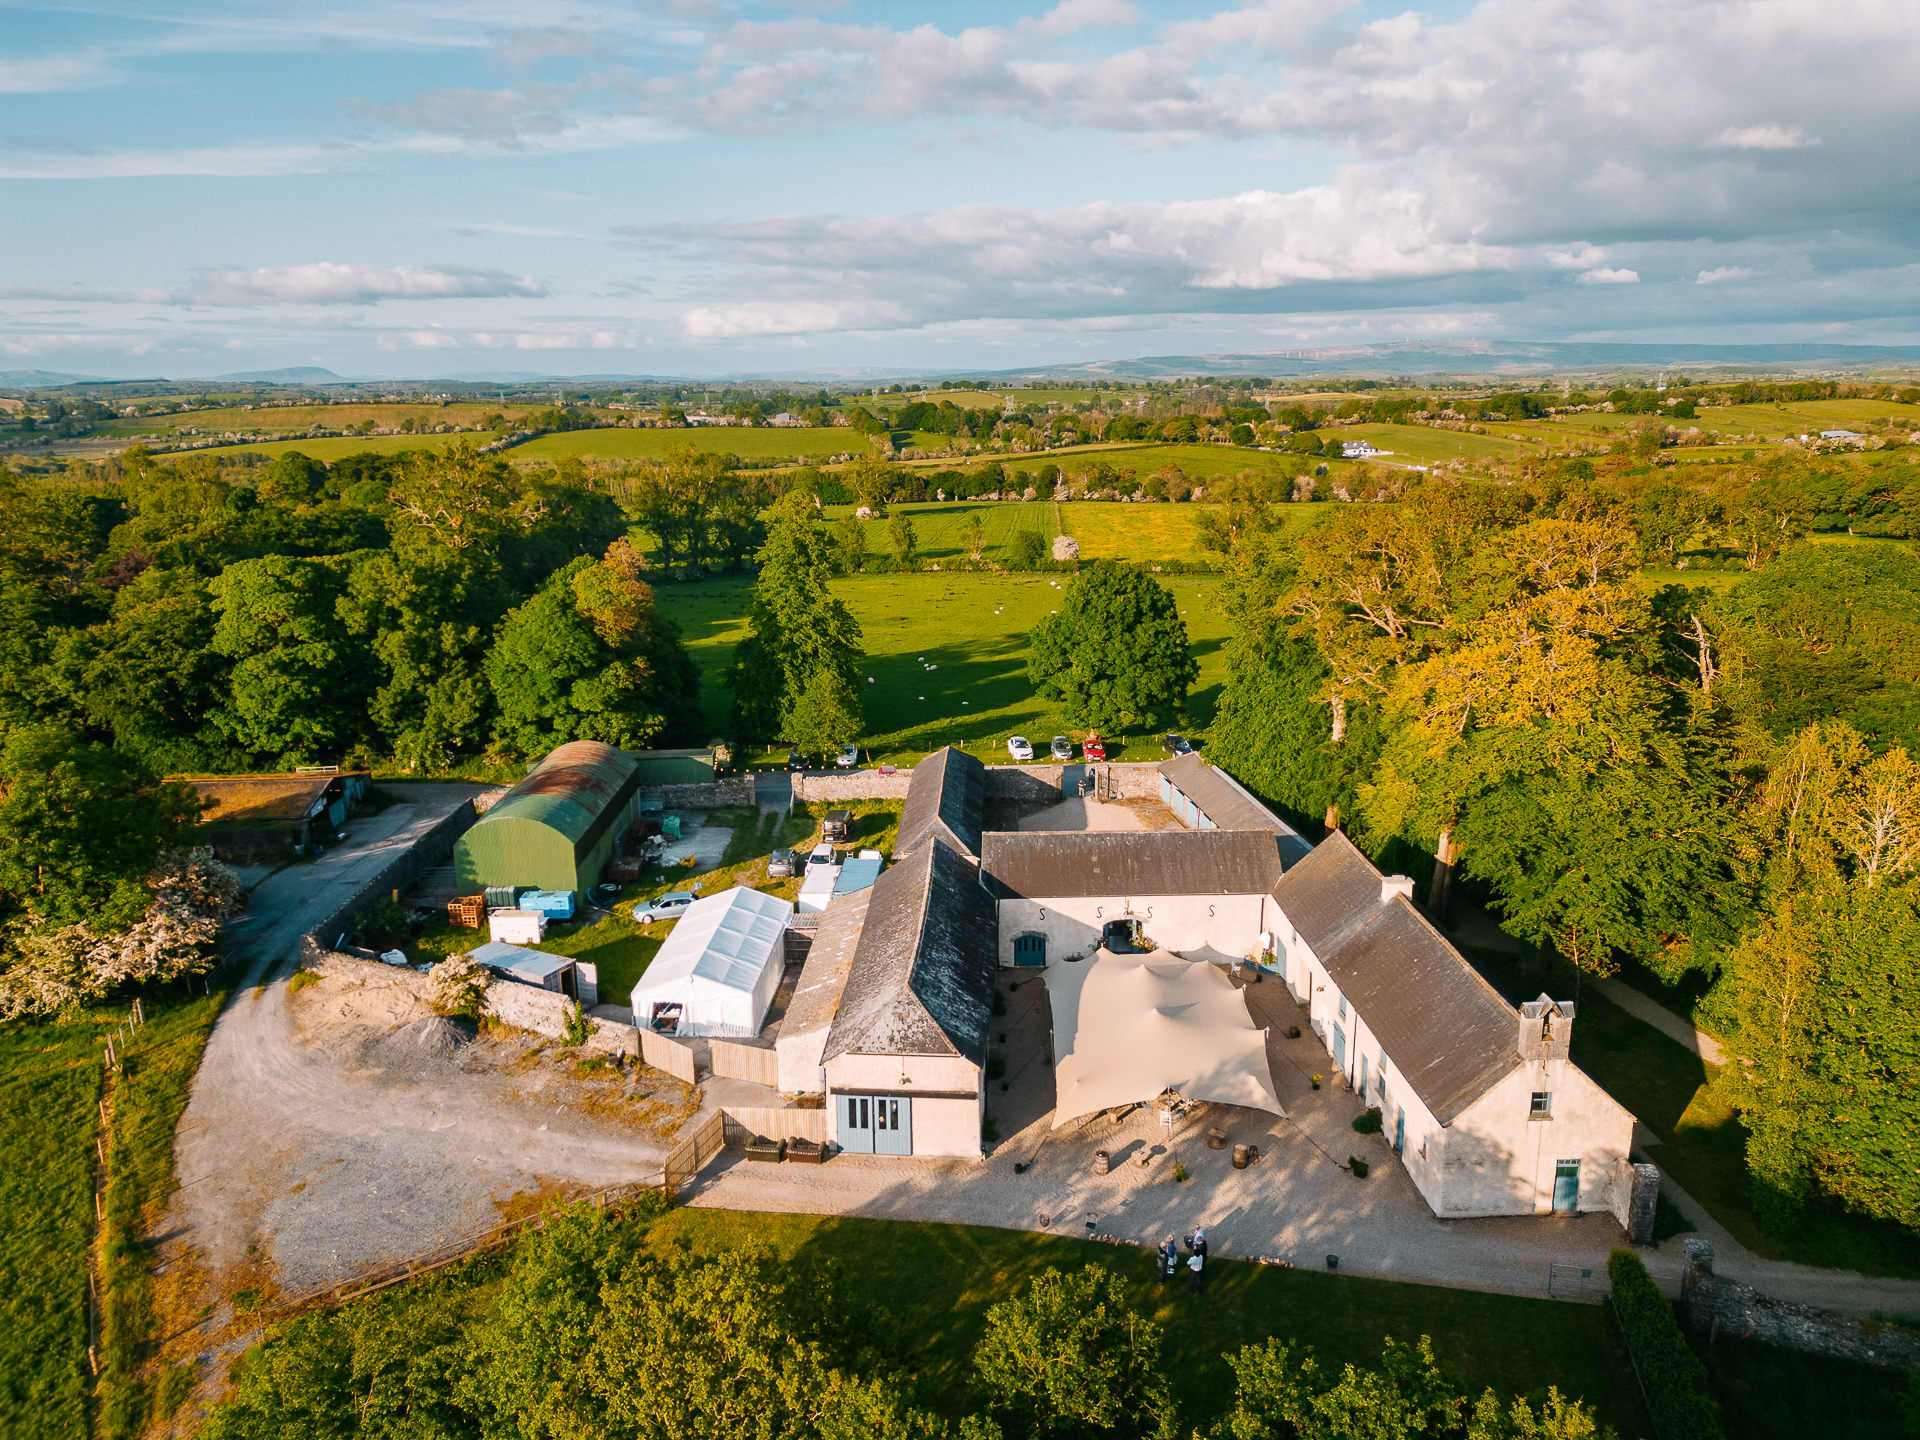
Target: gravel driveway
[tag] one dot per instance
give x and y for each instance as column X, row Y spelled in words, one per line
column 301, row 1164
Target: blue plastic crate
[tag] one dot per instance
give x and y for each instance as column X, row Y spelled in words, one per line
column 554, row 904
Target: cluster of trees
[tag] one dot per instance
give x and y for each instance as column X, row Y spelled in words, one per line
column 422, row 608
column 1702, row 781
column 592, row 1333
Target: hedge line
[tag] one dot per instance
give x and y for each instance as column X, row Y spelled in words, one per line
column 1674, row 1379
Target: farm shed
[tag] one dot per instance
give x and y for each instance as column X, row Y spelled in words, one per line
column 248, row 814
column 673, row 767
column 556, row 829
column 559, row 973
column 1207, row 798
column 718, row 971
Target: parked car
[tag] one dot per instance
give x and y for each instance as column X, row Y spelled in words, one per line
column 779, row 864
column 848, row 758
column 1176, row 745
column 837, row 825
column 1020, row 748
column 1061, row 748
column 797, row 761
column 1094, row 748
column 822, row 856
column 669, row 906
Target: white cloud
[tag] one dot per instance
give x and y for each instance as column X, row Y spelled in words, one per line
column 330, row 283
column 1607, row 277
column 1765, row 137
column 735, row 322
column 1070, row 17
column 1724, row 272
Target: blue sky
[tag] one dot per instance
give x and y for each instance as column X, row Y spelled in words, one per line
column 414, row 187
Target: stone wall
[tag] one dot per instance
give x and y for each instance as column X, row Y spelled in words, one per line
column 729, row 790
column 1717, row 1305
column 856, row 785
column 370, row 973
column 398, row 873
column 1037, row 783
column 1132, row 781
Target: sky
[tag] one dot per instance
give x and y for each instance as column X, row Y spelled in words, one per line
column 416, row 188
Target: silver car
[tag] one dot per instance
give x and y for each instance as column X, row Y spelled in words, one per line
column 1062, row 748
column 1020, row 748
column 780, row 864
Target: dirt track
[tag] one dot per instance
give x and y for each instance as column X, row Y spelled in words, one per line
column 306, row 1157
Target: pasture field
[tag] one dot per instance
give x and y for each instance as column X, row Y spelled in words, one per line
column 330, row 449
column 333, row 417
column 938, row 527
column 750, row 443
column 972, row 628
column 1419, row 445
column 1106, row 530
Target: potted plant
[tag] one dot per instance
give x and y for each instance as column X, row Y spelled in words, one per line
column 1358, row 1166
column 1316, row 1082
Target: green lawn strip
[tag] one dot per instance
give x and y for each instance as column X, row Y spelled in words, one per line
column 937, row 1282
column 150, row 1095
column 973, row 627
column 1768, row 1393
column 1672, row 1091
column 749, row 443
column 48, row 1120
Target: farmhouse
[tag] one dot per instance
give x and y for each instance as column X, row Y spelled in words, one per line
column 1488, row 1114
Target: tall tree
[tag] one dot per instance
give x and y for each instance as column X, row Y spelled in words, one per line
column 591, row 658
column 1116, row 653
column 800, row 661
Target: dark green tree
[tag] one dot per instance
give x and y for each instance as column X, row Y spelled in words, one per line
column 799, row 664
column 1116, row 653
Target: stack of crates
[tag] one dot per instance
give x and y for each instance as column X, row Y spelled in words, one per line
column 467, row 912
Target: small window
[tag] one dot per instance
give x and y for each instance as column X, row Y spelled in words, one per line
column 1343, row 1007
column 1542, row 1106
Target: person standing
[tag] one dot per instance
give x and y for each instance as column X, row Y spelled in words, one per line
column 1169, row 1254
column 1197, row 1273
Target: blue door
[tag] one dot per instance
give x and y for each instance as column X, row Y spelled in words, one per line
column 1400, row 1134
column 1566, row 1185
column 1363, row 1077
column 1339, row 1048
column 892, row 1125
column 1029, row 949
column 856, row 1123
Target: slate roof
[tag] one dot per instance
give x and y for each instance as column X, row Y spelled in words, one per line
column 946, row 800
column 823, row 979
column 1444, row 1029
column 922, row 976
column 1042, row 864
column 1229, row 804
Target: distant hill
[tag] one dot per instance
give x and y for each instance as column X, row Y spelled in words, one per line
column 292, row 375
column 32, row 379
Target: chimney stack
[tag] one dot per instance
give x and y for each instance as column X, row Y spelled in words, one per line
column 1546, row 1029
column 1392, row 885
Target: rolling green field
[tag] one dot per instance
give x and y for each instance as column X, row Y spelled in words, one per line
column 330, row 449
column 972, row 628
column 749, row 443
column 1419, row 445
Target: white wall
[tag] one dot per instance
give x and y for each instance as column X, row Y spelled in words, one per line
column 1498, row 1161
column 948, row 1099
column 1230, row 924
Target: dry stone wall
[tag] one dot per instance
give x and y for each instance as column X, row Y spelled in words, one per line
column 729, row 790
column 859, row 785
column 1717, row 1304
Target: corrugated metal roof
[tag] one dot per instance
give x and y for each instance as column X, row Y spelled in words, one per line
column 946, row 800
column 856, row 874
column 1445, row 1030
column 570, row 789
column 922, row 976
column 1040, row 864
column 1228, row 803
column 532, row 966
column 725, row 938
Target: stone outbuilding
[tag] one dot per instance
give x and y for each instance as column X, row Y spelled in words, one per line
column 1481, row 1101
column 946, row 801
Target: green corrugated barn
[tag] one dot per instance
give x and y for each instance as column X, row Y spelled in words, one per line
column 556, row 829
column 674, row 767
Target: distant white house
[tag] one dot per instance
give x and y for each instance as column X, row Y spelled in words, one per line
column 1841, row 435
column 785, row 419
column 1360, row 449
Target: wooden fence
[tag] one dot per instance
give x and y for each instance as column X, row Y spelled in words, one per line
column 664, row 1053
column 775, row 1123
column 735, row 1061
column 707, row 1140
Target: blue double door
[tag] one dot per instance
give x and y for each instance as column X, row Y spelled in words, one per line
column 876, row 1124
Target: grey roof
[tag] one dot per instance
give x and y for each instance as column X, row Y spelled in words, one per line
column 823, row 979
column 1444, row 1028
column 946, row 800
column 922, row 976
column 1228, row 803
column 1043, row 864
column 855, row 874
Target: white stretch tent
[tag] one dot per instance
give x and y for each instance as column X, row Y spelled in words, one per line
column 721, row 965
column 1128, row 1027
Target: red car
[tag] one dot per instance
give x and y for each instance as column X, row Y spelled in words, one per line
column 1093, row 748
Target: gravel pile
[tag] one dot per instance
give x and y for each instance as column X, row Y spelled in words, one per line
column 431, row 1040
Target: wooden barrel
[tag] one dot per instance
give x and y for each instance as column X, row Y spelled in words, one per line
column 1240, row 1157
column 1100, row 1162
column 1216, row 1139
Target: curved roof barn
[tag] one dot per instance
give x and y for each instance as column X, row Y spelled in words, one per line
column 556, row 828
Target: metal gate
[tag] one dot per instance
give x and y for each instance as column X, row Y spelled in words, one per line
column 1590, row 1283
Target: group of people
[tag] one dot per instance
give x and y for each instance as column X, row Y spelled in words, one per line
column 1196, row 1260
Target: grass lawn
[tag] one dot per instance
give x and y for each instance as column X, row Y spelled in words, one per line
column 973, row 627
column 938, row 1281
column 1767, row 1393
column 50, row 1083
column 1675, row 1094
